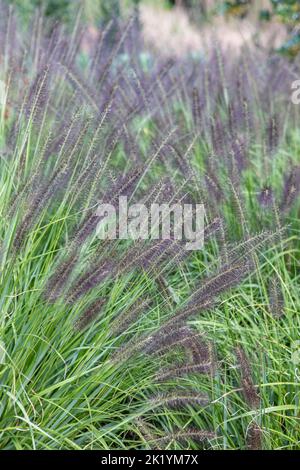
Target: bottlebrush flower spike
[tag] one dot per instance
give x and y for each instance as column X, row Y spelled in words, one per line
column 59, row 280
column 146, row 432
column 196, row 108
column 180, row 159
column 89, row 314
column 238, row 151
column 179, row 399
column 266, row 197
column 213, row 185
column 254, row 437
column 276, row 299
column 40, row 201
column 104, row 270
column 38, row 95
column 249, row 390
column 291, row 189
column 127, row 350
column 273, row 133
column 201, row 352
column 184, row 436
column 245, row 249
column 164, row 342
column 198, row 351
column 229, row 276
column 124, row 186
column 149, row 256
column 180, row 371
column 129, row 316
column 238, row 204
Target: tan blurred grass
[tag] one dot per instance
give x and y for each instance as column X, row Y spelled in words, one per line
column 172, row 33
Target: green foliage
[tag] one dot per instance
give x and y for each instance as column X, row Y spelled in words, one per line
column 288, row 13
column 110, row 8
column 237, row 8
column 58, row 9
column 284, row 11
column 66, row 10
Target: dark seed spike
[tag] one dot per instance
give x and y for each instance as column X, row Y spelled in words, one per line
column 254, row 437
column 90, row 280
column 147, row 433
column 58, row 282
column 291, row 189
column 249, row 390
column 265, row 197
column 183, row 436
column 129, row 316
column 89, row 314
column 181, row 371
column 162, row 343
column 178, row 399
column 276, row 299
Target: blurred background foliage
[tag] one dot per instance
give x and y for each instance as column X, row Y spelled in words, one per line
column 92, row 11
column 99, row 12
column 288, row 13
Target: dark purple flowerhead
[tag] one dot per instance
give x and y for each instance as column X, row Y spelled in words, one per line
column 265, row 197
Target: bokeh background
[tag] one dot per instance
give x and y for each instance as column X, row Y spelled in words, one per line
column 181, row 27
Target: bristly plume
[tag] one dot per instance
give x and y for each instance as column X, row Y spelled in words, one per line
column 254, row 437
column 59, row 280
column 138, row 256
column 244, row 251
column 38, row 95
column 174, row 337
column 40, row 201
column 197, row 350
column 213, row 184
column 196, row 108
column 123, row 186
column 276, row 299
column 183, row 370
column 106, row 268
column 150, row 256
column 273, row 133
column 179, row 319
column 203, row 299
column 91, row 279
column 129, row 316
column 238, row 205
column 178, row 399
column 266, row 197
column 249, row 389
column 202, row 352
column 291, row 189
column 238, row 152
column 184, row 436
column 165, row 289
column 89, row 314
column 229, row 276
column 146, row 432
